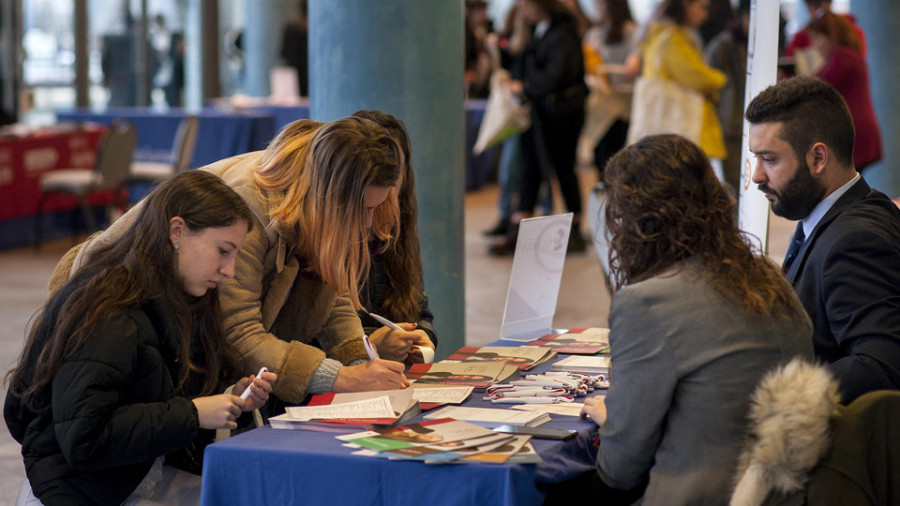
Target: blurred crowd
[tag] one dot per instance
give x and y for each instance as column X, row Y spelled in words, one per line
column 576, row 73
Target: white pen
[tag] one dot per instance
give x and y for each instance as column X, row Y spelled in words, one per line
column 246, row 393
column 369, row 348
column 384, row 321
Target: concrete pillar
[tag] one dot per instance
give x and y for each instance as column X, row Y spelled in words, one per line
column 262, row 41
column 405, row 57
column 878, row 19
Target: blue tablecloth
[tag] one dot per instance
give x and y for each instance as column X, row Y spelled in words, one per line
column 221, row 133
column 268, row 466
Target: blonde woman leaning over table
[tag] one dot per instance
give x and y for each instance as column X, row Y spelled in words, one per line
column 697, row 317
column 315, row 192
column 120, row 370
column 672, row 51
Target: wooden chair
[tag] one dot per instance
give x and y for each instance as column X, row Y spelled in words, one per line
column 180, row 160
column 110, row 169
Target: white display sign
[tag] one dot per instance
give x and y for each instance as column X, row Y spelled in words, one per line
column 535, row 278
column 762, row 66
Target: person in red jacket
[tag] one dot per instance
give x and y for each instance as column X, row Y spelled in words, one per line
column 845, row 68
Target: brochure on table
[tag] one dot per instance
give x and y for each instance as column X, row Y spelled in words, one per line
column 536, row 275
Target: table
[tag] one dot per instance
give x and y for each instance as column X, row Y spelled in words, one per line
column 22, row 161
column 221, row 134
column 268, row 466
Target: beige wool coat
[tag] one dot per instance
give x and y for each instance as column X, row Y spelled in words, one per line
column 267, row 277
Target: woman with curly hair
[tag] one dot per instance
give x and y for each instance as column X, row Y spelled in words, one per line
column 697, row 317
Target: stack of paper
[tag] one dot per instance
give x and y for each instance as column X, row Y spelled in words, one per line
column 523, row 357
column 575, row 363
column 488, row 417
column 350, row 409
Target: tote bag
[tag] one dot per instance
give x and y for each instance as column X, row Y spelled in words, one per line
column 504, row 115
column 662, row 106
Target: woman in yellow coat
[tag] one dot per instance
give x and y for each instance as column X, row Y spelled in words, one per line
column 672, row 51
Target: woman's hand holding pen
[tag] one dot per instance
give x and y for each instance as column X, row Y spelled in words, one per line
column 395, row 344
column 218, row 411
column 377, row 374
column 595, row 409
column 260, row 386
column 221, row 411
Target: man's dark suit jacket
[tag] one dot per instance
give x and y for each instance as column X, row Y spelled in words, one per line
column 847, row 274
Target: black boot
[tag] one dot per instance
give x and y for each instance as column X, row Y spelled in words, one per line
column 499, row 229
column 508, row 245
column 577, row 243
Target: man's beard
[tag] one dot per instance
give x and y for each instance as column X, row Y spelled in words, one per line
column 799, row 195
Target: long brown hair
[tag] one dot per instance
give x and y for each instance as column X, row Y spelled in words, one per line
column 403, row 262
column 138, row 268
column 618, row 15
column 666, row 206
column 320, row 172
column 325, row 204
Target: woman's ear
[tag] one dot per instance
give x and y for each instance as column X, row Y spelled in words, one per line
column 177, row 226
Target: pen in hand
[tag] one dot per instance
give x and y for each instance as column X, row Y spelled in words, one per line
column 384, row 321
column 370, row 349
column 246, row 393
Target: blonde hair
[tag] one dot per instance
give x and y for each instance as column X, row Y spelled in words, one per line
column 323, row 171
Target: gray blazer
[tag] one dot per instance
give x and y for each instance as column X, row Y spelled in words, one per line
column 684, row 363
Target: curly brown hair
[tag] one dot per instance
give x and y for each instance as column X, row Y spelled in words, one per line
column 666, row 206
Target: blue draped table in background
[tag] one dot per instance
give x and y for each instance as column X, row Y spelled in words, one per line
column 227, row 132
column 221, row 133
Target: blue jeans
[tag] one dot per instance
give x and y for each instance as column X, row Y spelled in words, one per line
column 510, row 178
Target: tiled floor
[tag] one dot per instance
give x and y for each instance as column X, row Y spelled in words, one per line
column 583, row 301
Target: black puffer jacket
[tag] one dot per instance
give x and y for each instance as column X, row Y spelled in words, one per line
column 374, row 292
column 91, row 435
column 551, row 68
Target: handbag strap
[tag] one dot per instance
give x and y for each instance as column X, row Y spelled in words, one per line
column 665, row 36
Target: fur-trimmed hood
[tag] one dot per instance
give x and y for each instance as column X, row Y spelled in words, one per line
column 790, row 415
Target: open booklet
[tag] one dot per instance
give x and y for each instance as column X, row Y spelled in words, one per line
column 351, row 409
column 363, row 409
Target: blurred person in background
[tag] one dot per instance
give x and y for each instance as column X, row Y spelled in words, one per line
column 727, row 52
column 844, row 67
column 673, row 51
column 550, row 75
column 613, row 40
